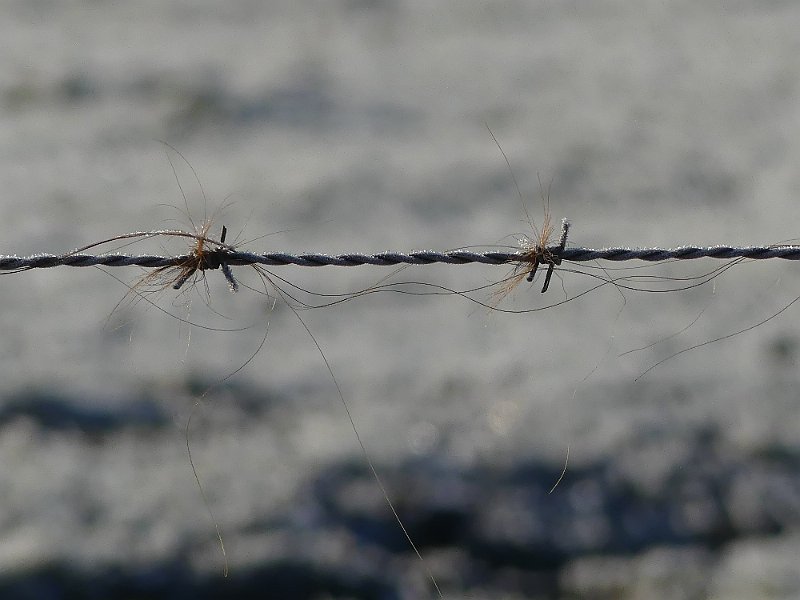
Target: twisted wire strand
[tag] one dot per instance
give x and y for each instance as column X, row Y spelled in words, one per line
column 425, row 257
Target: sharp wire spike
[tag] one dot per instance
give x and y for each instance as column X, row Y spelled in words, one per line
column 532, row 274
column 554, row 258
column 226, row 269
column 183, row 279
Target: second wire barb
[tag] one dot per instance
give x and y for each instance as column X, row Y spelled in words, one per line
column 550, row 256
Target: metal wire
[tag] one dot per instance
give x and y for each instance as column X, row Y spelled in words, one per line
column 220, row 255
column 424, row 257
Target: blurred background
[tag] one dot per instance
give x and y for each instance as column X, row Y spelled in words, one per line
column 360, row 126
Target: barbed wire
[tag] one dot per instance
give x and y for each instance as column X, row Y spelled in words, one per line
column 422, row 257
column 223, row 255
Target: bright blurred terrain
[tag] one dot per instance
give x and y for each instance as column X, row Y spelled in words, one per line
column 360, row 126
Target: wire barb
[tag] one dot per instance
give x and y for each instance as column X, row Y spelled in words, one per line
column 550, row 257
column 226, row 270
column 203, row 259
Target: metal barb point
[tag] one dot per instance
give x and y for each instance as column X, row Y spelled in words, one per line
column 555, row 256
column 183, row 279
column 226, row 269
column 532, row 274
column 232, row 284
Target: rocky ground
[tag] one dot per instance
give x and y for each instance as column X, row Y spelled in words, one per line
column 361, row 127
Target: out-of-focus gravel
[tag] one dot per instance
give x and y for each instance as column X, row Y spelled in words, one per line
column 361, row 126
